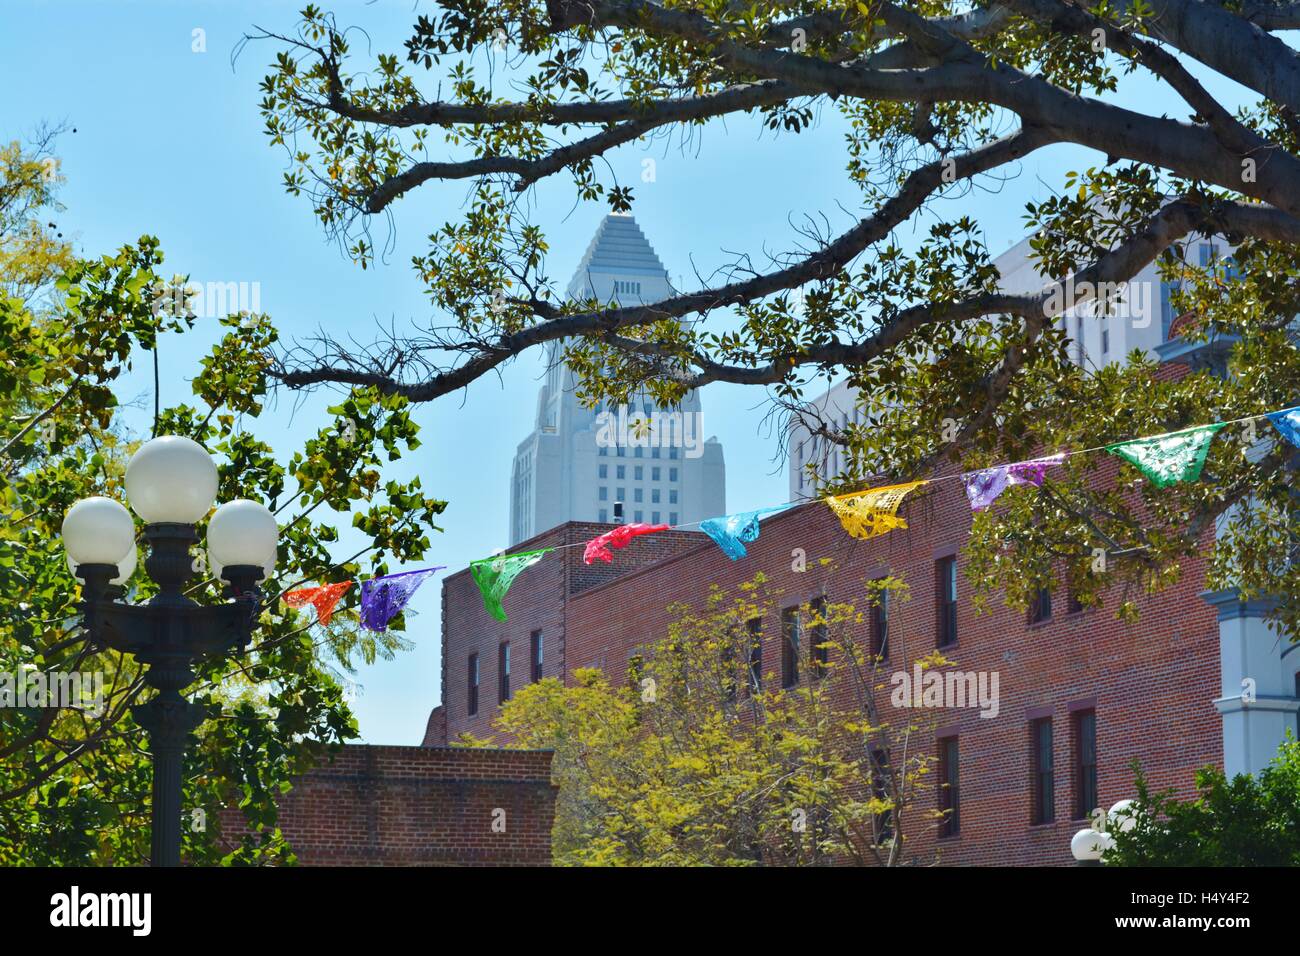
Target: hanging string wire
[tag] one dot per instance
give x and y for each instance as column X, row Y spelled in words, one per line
column 1062, row 455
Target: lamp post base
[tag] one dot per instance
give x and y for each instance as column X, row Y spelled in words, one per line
column 169, row 720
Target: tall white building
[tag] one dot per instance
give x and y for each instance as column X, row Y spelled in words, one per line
column 578, row 463
column 1140, row 319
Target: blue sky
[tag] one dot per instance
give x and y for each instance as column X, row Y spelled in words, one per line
column 169, row 142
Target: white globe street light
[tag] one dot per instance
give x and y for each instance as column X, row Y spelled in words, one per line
column 1088, row 845
column 171, row 483
column 98, row 531
column 242, row 532
column 171, row 480
column 1123, row 816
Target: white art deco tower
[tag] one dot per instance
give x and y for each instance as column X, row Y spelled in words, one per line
column 567, row 469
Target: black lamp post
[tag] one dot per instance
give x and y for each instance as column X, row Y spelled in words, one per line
column 171, row 482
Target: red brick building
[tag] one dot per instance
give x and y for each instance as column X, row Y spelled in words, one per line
column 419, row 806
column 1142, row 690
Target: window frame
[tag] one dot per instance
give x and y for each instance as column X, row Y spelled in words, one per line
column 503, row 672
column 754, row 626
column 537, row 655
column 819, row 656
column 946, row 604
column 883, row 821
column 950, row 787
column 790, row 628
column 879, row 622
column 1043, row 788
column 472, row 676
column 1085, row 763
column 1040, row 609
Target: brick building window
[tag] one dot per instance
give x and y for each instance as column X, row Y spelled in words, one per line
column 1085, row 740
column 880, row 626
column 946, row 578
column 884, row 820
column 536, row 654
column 471, row 695
column 730, row 685
column 635, row 667
column 790, row 647
column 1073, row 605
column 1044, row 791
column 1040, row 608
column 819, row 654
column 503, row 672
column 949, row 788
column 756, row 654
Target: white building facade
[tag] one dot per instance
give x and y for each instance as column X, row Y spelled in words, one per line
column 584, row 464
column 1140, row 318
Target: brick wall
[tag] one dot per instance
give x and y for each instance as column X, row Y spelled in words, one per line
column 536, row 602
column 1150, row 682
column 421, row 806
column 435, row 729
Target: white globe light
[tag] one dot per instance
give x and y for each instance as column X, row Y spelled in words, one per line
column 242, row 532
column 125, row 568
column 1087, row 844
column 98, row 531
column 171, row 479
column 1123, row 816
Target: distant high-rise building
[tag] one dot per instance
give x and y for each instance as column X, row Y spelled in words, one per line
column 578, row 463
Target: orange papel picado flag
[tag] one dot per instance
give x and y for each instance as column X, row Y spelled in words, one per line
column 866, row 514
column 321, row 598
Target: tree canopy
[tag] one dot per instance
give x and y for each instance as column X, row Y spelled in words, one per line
column 934, row 98
column 1250, row 820
column 692, row 758
column 75, row 782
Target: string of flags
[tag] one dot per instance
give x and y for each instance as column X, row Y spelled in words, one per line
column 322, row 598
column 1163, row 460
column 495, row 575
column 730, row 532
column 382, row 599
column 597, row 549
column 866, row 514
column 984, row 486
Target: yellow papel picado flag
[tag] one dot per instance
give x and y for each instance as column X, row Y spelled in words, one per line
column 866, row 514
